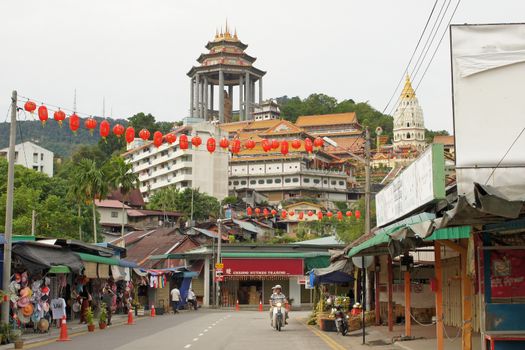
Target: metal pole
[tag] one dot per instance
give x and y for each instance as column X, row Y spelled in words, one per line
column 9, row 207
column 219, row 246
column 367, row 184
column 363, row 296
column 33, row 222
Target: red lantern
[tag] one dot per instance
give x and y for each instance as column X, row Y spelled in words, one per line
column 357, row 214
column 348, row 213
column 30, row 106
column 318, row 142
column 157, row 138
column 320, row 215
column 301, row 215
column 266, row 212
column 283, row 214
column 296, row 144
column 310, row 213
column 144, row 134
column 74, row 122
column 284, row 148
column 118, row 130
column 329, row 214
column 211, row 145
column 266, row 146
column 224, row 143
column 59, row 117
column 249, row 144
column 183, row 141
column 42, row 114
column 196, row 141
column 170, row 138
column 258, row 211
column 130, row 134
column 292, row 213
column 339, row 216
column 308, row 145
column 104, row 129
column 249, row 211
column 90, row 124
column 236, row 146
column 275, row 144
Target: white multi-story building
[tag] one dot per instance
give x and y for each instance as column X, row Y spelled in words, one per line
column 168, row 165
column 32, row 156
column 267, row 110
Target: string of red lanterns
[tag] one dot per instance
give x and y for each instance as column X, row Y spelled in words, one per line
column 129, row 133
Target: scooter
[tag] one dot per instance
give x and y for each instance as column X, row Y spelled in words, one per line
column 278, row 317
column 341, row 322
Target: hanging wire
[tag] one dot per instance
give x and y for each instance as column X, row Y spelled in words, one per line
column 505, row 155
column 24, row 99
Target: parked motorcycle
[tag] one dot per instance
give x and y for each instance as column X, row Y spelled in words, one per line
column 341, row 322
column 278, row 315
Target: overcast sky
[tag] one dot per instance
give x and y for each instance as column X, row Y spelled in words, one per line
column 136, row 53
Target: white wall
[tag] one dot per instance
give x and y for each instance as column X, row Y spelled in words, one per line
column 33, row 157
column 107, row 217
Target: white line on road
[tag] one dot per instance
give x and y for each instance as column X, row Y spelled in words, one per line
column 205, row 330
column 187, row 346
column 195, row 339
column 209, row 327
column 201, row 334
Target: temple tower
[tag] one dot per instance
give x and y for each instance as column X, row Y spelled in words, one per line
column 409, row 126
column 225, row 66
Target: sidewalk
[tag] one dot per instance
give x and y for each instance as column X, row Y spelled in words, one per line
column 73, row 327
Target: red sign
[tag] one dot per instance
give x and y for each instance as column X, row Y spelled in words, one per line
column 263, row 267
column 508, row 274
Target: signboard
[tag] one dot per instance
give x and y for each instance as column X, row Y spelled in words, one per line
column 263, row 267
column 308, row 284
column 507, row 274
column 219, row 278
column 302, row 280
column 420, row 183
column 219, row 265
column 488, row 64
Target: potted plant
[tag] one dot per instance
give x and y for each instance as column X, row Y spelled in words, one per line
column 16, row 337
column 89, row 319
column 5, row 332
column 103, row 317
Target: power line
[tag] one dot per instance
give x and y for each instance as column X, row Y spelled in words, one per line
column 412, row 56
column 505, row 155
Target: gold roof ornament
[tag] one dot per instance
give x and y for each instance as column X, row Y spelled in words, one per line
column 235, row 35
column 408, row 91
column 216, row 33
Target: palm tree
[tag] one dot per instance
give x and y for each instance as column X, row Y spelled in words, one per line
column 93, row 183
column 123, row 179
column 76, row 194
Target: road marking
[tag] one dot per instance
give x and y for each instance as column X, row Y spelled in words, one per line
column 209, row 327
column 195, row 339
column 201, row 334
column 205, row 330
column 329, row 341
column 187, row 346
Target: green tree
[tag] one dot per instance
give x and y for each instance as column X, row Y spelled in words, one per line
column 190, row 202
column 122, row 178
column 93, row 180
column 429, row 134
column 143, row 121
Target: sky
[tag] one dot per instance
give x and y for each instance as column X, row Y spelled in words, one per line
column 135, row 54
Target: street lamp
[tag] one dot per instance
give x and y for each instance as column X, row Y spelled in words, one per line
column 366, row 162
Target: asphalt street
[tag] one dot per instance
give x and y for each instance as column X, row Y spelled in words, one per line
column 199, row 330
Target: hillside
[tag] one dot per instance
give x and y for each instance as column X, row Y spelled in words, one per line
column 61, row 140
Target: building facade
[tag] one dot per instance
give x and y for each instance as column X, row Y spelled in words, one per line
column 267, row 110
column 168, row 165
column 409, row 125
column 32, row 156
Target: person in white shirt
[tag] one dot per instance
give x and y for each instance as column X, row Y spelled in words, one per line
column 175, row 299
column 192, row 299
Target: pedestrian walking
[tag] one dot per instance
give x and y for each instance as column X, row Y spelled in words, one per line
column 175, row 299
column 192, row 299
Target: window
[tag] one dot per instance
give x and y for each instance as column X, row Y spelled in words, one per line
column 341, row 183
column 269, row 181
column 408, row 135
column 35, row 157
column 229, row 183
column 287, row 180
column 42, row 168
column 243, row 182
column 235, row 183
column 325, row 182
column 277, row 181
column 295, row 179
column 253, row 182
column 35, row 167
column 260, row 182
column 41, row 156
column 114, row 214
column 333, row 182
column 316, row 181
column 306, row 180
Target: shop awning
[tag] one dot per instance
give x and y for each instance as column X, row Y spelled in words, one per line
column 379, row 239
column 316, row 262
column 98, row 259
column 36, row 257
column 457, row 232
column 283, row 255
column 59, row 269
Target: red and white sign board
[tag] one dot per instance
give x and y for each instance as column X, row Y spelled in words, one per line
column 263, row 267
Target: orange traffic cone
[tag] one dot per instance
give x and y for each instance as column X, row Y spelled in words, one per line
column 260, row 306
column 237, row 307
column 153, row 313
column 63, row 330
column 130, row 317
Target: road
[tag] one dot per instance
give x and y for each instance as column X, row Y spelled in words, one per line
column 201, row 330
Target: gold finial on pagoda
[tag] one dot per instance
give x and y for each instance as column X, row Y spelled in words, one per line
column 216, row 33
column 235, row 35
column 408, row 91
column 227, row 34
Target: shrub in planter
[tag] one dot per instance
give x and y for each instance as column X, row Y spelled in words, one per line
column 16, row 337
column 103, row 317
column 89, row 319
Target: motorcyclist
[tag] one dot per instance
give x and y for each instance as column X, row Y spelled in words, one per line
column 278, row 297
column 339, row 313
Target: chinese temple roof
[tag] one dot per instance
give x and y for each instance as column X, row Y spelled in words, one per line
column 326, row 119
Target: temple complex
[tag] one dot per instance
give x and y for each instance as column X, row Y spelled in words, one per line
column 226, row 66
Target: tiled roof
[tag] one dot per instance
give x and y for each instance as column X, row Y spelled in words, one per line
column 262, row 124
column 134, row 197
column 326, row 119
column 283, row 127
column 352, row 144
column 309, row 204
column 444, row 139
column 143, row 212
column 110, row 203
column 155, row 242
column 235, row 126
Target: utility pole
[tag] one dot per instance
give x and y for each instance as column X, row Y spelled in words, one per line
column 6, row 277
column 33, row 222
column 219, row 246
column 367, row 181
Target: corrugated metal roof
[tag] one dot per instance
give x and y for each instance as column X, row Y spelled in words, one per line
column 248, row 226
column 327, row 241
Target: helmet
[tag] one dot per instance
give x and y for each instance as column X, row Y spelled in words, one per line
column 277, row 286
